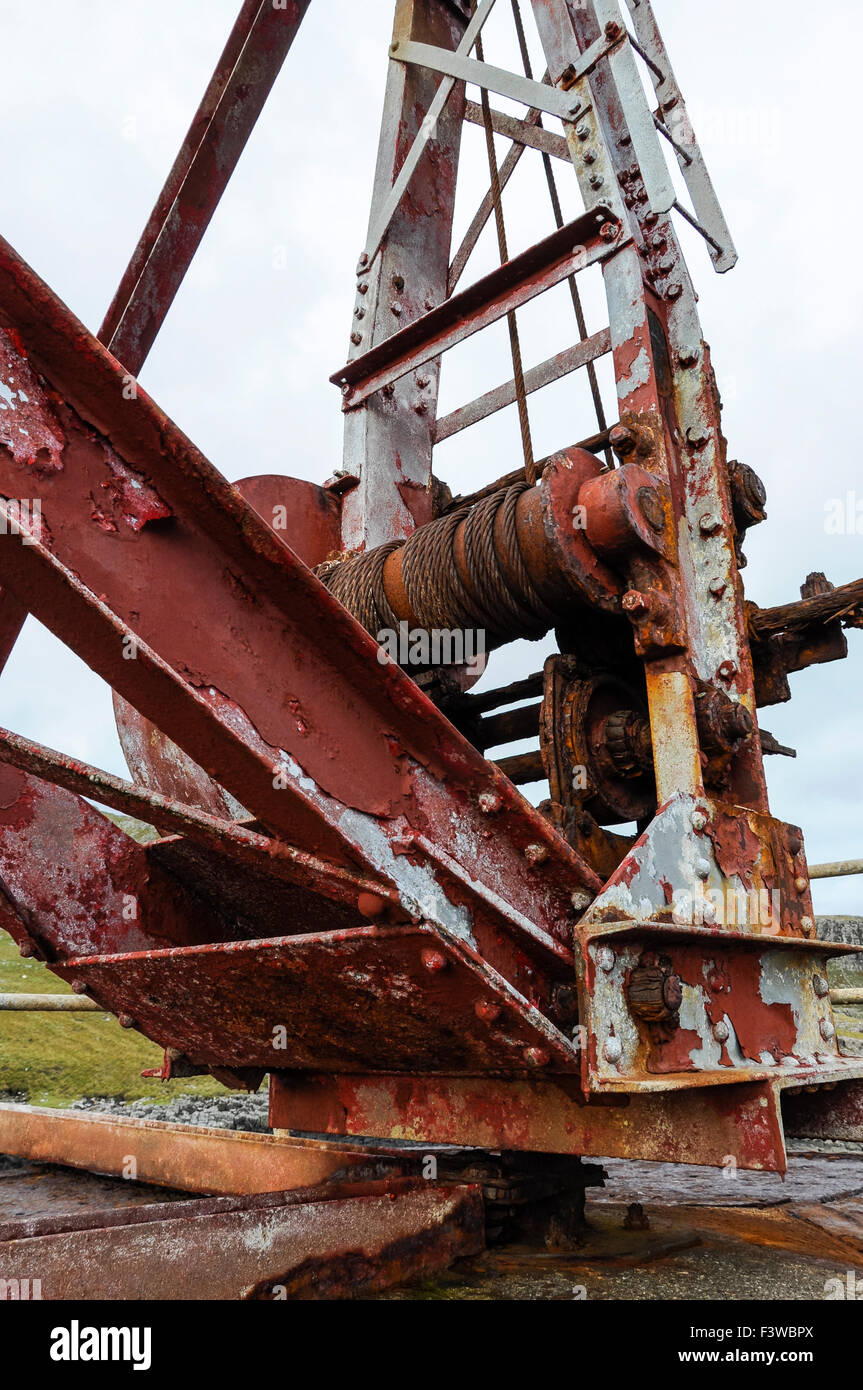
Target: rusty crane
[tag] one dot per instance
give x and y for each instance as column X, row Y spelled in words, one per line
column 337, row 859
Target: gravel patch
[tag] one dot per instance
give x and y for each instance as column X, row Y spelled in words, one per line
column 244, row 1112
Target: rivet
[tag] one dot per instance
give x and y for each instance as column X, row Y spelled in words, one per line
column 827, row 1029
column 687, row 356
column 489, row 803
column 820, row 985
column 709, row 522
column 396, row 309
column 125, row 1020
column 696, row 437
column 605, row 958
column 702, row 868
column 435, row 961
column 807, row 926
column 613, row 1050
column 581, row 901
column 371, row 904
column 708, row 912
column 535, row 854
column 356, row 338
column 801, row 885
column 674, row 291
column 79, row 987
column 26, row 948
column 721, row 1031
column 536, row 1056
column 487, row 1010
column 726, row 670
column 698, row 820
column 717, row 587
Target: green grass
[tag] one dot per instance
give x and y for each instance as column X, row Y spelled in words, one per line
column 53, row 1059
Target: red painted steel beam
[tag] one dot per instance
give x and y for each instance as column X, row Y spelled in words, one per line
column 240, row 843
column 238, row 89
column 245, row 660
column 515, row 282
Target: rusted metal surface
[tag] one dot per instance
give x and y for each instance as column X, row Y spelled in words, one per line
column 241, row 83
column 390, row 997
column 701, row 1126
column 191, row 1158
column 342, row 1241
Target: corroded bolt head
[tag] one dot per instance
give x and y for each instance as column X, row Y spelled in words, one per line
column 674, row 291
column 717, row 587
column 807, row 926
column 698, row 820
column 708, row 912
column 634, row 602
column 720, row 1031
column 801, row 885
column 613, row 1050
column 535, row 854
column 695, row 436
column 581, row 901
column 79, row 987
column 26, row 948
column 125, row 1020
column 605, row 958
column 688, row 356
column 820, row 986
column 622, row 439
column 489, row 802
column 702, row 868
column 487, row 1010
column 434, row 961
column 582, row 131
column 826, row 1029
column 709, row 522
column 536, row 1056
column 726, row 670
column 609, row 230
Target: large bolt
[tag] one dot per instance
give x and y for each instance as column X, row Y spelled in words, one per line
column 613, row 1050
column 622, row 439
column 605, row 958
column 634, row 602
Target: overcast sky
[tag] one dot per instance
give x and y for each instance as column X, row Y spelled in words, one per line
column 96, row 97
